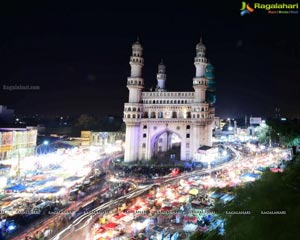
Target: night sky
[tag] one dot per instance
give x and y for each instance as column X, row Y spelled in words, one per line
column 79, row 54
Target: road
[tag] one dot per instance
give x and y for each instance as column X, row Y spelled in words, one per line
column 80, row 228
column 82, row 223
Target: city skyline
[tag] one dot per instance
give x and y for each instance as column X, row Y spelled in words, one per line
column 79, row 56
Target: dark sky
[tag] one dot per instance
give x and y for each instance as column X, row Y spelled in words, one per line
column 79, row 54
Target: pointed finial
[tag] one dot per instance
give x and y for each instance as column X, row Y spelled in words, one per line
column 137, row 38
column 161, row 62
column 200, row 39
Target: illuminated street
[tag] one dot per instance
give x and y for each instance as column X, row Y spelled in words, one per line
column 95, row 224
column 50, row 187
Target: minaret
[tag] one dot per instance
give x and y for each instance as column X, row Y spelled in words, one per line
column 202, row 113
column 161, row 77
column 135, row 82
column 200, row 81
column 133, row 109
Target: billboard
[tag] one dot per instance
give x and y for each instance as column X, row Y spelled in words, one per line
column 255, row 120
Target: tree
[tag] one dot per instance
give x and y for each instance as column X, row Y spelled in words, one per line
column 288, row 132
column 197, row 235
column 123, row 128
column 263, row 133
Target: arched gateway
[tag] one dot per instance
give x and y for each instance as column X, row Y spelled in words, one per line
column 166, row 144
column 160, row 121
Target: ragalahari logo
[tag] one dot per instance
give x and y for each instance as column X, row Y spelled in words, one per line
column 246, row 9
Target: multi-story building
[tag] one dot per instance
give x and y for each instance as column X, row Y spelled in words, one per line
column 17, row 142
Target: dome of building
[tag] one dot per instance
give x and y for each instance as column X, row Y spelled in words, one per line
column 137, row 45
column 200, row 46
column 161, row 65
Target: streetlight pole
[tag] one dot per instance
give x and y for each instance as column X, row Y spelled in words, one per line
column 18, row 164
column 45, row 143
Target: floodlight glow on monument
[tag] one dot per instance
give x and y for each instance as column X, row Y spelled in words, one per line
column 157, row 114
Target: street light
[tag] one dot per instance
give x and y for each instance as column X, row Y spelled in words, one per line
column 45, row 143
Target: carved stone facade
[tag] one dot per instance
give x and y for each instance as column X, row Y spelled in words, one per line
column 157, row 120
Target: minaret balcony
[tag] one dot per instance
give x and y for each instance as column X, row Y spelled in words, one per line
column 135, row 81
column 136, row 60
column 132, row 121
column 200, row 81
column 200, row 60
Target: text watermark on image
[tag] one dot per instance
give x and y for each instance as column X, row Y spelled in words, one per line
column 20, row 87
column 273, row 212
column 238, row 212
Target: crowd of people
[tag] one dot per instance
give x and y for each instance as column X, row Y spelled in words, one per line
column 144, row 172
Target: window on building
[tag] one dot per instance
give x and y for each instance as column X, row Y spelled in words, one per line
column 187, row 135
column 144, row 145
column 188, row 127
column 144, row 135
column 145, row 127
